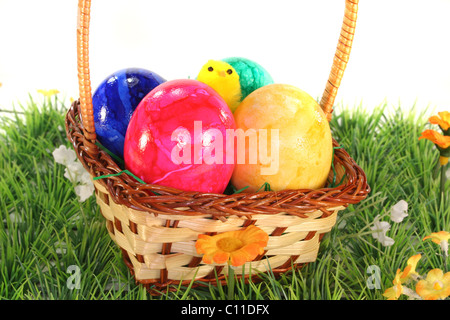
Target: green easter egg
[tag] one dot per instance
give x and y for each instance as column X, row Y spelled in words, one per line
column 251, row 74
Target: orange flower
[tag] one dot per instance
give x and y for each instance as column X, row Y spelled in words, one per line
column 410, row 270
column 440, row 238
column 442, row 119
column 436, row 138
column 393, row 293
column 234, row 247
column 435, row 286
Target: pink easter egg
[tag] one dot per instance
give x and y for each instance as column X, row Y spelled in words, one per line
column 177, row 138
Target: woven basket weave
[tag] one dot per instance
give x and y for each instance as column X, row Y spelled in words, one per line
column 157, row 233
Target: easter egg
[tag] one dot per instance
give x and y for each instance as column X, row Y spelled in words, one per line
column 251, row 74
column 114, row 102
column 289, row 140
column 177, row 138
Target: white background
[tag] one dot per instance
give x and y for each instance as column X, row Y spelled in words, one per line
column 401, row 50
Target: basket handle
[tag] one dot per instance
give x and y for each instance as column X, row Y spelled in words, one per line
column 340, row 60
column 84, row 79
column 341, row 57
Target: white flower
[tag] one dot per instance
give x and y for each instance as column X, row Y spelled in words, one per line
column 75, row 172
column 64, row 156
column 380, row 228
column 85, row 178
column 84, row 191
column 342, row 224
column 61, row 247
column 14, row 218
column 399, row 211
column 444, row 247
column 116, row 284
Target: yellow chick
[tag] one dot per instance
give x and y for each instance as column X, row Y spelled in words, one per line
column 223, row 78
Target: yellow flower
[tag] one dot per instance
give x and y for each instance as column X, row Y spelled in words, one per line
column 48, row 93
column 442, row 119
column 443, row 160
column 440, row 238
column 436, row 138
column 410, row 270
column 435, row 286
column 234, row 247
column 393, row 293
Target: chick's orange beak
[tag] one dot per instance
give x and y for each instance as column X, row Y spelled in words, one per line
column 221, row 73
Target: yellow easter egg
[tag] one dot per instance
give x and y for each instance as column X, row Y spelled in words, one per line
column 288, row 141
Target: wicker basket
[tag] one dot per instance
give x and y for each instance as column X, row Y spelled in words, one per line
column 157, row 233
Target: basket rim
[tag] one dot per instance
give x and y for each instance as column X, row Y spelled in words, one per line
column 125, row 190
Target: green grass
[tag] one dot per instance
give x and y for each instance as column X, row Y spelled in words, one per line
column 45, row 232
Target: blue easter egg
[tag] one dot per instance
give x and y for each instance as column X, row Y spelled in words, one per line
column 114, row 102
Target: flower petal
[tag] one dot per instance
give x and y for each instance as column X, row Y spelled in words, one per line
column 442, row 119
column 84, row 191
column 438, row 237
column 436, row 138
column 63, row 155
column 380, row 228
column 221, row 257
column 208, row 259
column 410, row 269
column 238, row 258
column 399, row 211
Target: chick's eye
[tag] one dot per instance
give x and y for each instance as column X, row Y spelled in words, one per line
column 210, row 69
column 229, row 71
